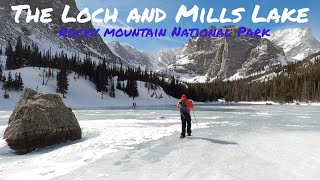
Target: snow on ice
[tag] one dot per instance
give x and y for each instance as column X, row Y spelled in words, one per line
column 228, row 142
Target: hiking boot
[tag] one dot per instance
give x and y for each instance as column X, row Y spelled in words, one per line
column 182, row 136
column 189, row 134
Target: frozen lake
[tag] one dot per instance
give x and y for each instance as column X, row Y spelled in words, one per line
column 228, row 142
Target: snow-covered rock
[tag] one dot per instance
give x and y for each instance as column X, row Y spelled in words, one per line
column 223, row 57
column 40, row 120
column 297, row 43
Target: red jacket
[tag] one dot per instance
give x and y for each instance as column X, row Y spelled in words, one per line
column 189, row 104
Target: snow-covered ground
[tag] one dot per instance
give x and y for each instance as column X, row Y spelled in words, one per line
column 81, row 92
column 228, row 142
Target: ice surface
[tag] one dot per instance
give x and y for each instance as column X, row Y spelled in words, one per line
column 229, row 142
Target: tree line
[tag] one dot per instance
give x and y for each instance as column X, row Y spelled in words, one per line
column 297, row 81
column 101, row 73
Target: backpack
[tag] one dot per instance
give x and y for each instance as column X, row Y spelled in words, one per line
column 183, row 107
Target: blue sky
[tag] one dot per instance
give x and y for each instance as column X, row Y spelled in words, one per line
column 171, row 8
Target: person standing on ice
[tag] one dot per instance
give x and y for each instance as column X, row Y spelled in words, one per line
column 184, row 106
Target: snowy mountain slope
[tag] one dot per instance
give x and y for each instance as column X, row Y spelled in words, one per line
column 82, row 93
column 224, row 57
column 130, row 55
column 297, row 43
column 165, row 57
column 46, row 35
column 204, row 59
column 151, row 60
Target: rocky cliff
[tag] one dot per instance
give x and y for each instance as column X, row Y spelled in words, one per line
column 297, row 43
column 223, row 57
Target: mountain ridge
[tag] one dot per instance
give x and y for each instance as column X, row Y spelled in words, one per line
column 151, row 60
column 201, row 59
column 297, row 43
column 223, row 57
column 45, row 35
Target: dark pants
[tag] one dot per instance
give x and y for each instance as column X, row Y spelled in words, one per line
column 186, row 121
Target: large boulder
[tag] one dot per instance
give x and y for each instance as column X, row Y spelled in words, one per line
column 40, row 120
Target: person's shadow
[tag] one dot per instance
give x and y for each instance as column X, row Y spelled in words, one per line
column 215, row 141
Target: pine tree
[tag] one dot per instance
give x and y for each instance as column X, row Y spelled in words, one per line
column 35, row 57
column 9, row 82
column 19, row 54
column 112, row 92
column 8, row 48
column 100, row 78
column 20, row 83
column 27, row 54
column 62, row 81
column 4, row 79
column 135, row 92
column 305, row 91
column 10, row 63
column 132, row 88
